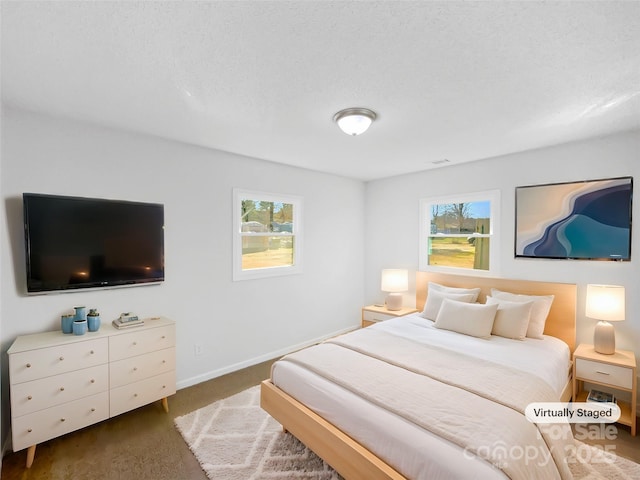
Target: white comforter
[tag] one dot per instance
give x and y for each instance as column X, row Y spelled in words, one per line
column 415, row 451
column 548, row 358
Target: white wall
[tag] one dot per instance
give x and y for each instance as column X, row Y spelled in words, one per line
column 238, row 323
column 392, row 220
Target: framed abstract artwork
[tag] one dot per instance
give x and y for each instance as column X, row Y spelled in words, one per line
column 587, row 220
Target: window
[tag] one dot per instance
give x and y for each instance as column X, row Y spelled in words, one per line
column 267, row 230
column 458, row 232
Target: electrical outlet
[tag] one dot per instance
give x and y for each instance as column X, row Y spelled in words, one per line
column 198, row 351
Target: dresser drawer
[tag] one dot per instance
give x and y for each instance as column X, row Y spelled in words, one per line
column 141, row 341
column 134, row 395
column 138, row 368
column 613, row 375
column 52, row 422
column 375, row 316
column 47, row 392
column 34, row 364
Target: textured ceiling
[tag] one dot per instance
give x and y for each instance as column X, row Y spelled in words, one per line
column 456, row 80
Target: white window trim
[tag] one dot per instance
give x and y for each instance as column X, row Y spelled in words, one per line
column 425, row 231
column 238, row 274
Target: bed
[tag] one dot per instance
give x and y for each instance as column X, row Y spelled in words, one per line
column 367, row 407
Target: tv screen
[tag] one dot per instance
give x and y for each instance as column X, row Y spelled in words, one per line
column 74, row 243
column 587, row 220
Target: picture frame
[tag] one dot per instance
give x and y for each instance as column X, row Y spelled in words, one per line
column 582, row 220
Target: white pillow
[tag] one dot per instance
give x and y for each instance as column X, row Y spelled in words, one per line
column 434, row 301
column 444, row 289
column 475, row 319
column 512, row 318
column 539, row 309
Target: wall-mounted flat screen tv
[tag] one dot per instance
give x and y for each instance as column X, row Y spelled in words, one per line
column 76, row 243
column 587, row 220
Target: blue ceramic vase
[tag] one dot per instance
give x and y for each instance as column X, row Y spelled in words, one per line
column 66, row 323
column 81, row 313
column 79, row 327
column 93, row 322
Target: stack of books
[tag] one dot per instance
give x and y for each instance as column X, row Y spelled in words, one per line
column 127, row 320
column 600, row 397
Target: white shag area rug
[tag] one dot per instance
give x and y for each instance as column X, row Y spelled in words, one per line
column 234, row 439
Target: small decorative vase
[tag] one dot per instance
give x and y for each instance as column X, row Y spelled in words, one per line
column 93, row 322
column 79, row 327
column 81, row 313
column 66, row 322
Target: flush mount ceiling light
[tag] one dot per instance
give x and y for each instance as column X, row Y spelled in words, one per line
column 354, row 121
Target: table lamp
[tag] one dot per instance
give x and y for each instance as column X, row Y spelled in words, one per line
column 395, row 281
column 605, row 303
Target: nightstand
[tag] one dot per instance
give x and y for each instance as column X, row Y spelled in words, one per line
column 615, row 372
column 374, row 313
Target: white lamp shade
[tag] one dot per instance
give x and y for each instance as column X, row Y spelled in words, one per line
column 605, row 302
column 395, row 280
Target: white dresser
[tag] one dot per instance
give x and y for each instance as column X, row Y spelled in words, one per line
column 60, row 383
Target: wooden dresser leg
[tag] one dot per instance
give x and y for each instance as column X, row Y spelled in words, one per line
column 31, row 453
column 165, row 404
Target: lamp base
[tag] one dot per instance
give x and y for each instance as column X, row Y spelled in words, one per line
column 394, row 301
column 604, row 338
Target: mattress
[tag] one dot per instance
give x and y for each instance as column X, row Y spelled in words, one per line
column 412, row 450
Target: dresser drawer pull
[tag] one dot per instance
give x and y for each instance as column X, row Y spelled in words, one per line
column 91, row 352
column 135, row 343
column 93, row 409
column 62, row 389
column 61, row 358
column 29, row 397
column 135, row 369
column 93, row 380
column 602, row 373
column 28, row 365
column 163, row 337
column 63, row 419
column 29, row 430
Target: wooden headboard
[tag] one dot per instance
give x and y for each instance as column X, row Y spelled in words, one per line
column 561, row 322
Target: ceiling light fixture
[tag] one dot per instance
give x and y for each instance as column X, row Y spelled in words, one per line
column 354, row 121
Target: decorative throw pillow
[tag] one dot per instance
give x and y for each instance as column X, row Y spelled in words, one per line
column 435, row 298
column 512, row 318
column 475, row 319
column 539, row 309
column 444, row 289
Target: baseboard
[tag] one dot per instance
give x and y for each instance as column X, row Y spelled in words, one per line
column 188, row 382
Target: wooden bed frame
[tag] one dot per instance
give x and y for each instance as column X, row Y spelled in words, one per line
column 348, row 457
